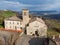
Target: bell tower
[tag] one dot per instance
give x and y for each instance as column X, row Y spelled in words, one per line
column 25, row 15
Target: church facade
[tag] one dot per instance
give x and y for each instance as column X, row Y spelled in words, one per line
column 37, row 27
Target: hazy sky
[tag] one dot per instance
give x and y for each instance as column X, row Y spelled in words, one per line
column 38, row 5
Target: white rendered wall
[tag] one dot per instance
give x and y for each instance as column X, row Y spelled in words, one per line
column 12, row 25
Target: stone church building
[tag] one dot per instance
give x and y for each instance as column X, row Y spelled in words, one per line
column 32, row 25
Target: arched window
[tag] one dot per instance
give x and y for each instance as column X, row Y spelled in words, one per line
column 24, row 13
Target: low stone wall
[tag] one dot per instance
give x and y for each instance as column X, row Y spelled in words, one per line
column 10, row 30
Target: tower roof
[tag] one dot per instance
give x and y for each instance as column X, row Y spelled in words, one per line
column 24, row 9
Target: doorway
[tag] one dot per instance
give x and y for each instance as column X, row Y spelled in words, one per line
column 36, row 33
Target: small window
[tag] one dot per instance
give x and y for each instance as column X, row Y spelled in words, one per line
column 10, row 22
column 20, row 27
column 17, row 23
column 30, row 32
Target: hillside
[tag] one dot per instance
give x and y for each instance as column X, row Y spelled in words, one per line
column 5, row 14
column 53, row 27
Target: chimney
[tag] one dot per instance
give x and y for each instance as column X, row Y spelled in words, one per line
column 53, row 36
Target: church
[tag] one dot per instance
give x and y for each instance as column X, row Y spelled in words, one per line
column 31, row 25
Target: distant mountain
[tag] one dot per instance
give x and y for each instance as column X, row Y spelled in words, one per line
column 43, row 12
column 53, row 16
column 47, row 14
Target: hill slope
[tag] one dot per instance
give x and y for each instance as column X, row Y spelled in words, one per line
column 5, row 14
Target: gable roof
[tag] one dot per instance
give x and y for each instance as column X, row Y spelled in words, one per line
column 36, row 19
column 14, row 18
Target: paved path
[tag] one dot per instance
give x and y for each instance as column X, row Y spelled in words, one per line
column 29, row 40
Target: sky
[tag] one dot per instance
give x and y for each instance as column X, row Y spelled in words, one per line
column 33, row 5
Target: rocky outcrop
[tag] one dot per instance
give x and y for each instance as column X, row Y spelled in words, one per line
column 8, row 38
